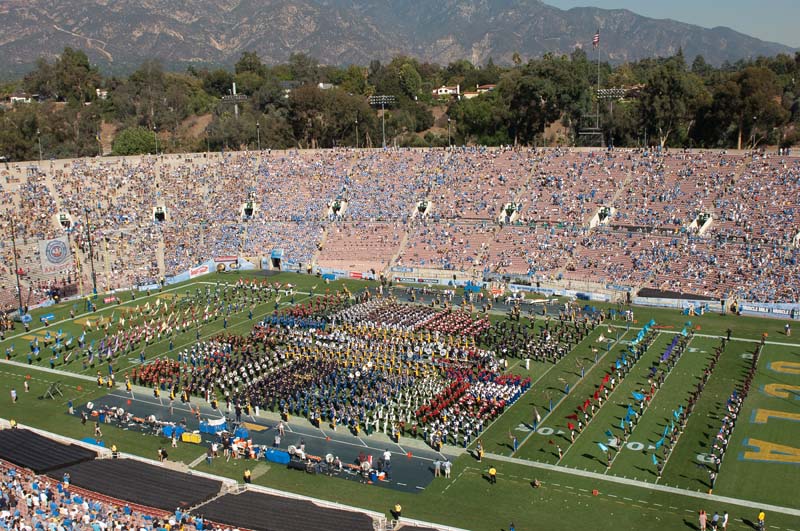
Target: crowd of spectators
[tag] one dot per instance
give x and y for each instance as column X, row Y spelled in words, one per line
column 707, row 223
column 31, row 502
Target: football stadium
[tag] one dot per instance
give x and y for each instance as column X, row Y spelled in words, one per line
column 444, row 338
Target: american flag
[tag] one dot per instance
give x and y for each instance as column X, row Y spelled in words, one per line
column 596, row 39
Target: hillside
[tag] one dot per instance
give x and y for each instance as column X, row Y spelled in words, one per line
column 118, row 35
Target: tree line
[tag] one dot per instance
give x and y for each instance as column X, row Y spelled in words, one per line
column 663, row 101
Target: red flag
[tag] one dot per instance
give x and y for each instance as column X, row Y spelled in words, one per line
column 551, row 441
column 587, row 403
column 596, row 395
column 596, row 39
column 606, row 378
column 570, row 425
column 574, row 416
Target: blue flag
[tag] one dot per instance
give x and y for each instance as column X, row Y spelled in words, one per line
column 631, row 411
column 603, row 447
column 622, row 424
column 655, row 459
column 609, row 434
column 675, row 414
column 666, row 430
column 659, row 443
column 638, row 396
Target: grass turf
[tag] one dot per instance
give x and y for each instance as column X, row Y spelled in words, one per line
column 467, row 500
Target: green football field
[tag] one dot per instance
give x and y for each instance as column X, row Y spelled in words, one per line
column 761, row 466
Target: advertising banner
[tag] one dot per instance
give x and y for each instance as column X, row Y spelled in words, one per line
column 199, row 271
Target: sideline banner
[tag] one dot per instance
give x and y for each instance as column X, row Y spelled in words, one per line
column 199, row 271
column 54, row 255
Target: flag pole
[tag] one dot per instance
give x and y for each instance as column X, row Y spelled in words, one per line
column 597, row 94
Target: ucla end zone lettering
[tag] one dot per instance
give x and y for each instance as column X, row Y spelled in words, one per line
column 770, row 451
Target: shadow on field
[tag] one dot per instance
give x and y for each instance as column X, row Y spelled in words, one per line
column 691, row 525
column 591, row 457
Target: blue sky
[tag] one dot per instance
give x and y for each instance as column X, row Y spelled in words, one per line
column 770, row 20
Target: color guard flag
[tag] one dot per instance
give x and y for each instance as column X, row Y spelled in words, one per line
column 596, row 39
column 609, row 434
column 570, row 425
column 659, row 443
column 538, row 417
column 603, row 447
column 638, row 396
column 666, row 430
column 655, row 459
column 622, row 424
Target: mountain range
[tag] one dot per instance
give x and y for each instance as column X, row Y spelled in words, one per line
column 118, row 35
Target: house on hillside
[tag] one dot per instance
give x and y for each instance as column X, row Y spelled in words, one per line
column 447, row 92
column 482, row 89
column 19, row 97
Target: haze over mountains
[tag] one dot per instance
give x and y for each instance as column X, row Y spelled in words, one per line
column 118, row 35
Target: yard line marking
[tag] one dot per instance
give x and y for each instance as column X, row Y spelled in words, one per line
column 628, row 499
column 197, row 461
column 612, row 495
column 558, row 403
column 648, row 406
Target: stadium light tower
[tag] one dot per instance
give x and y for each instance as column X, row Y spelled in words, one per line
column 235, row 99
column 16, row 266
column 155, row 137
column 258, row 134
column 382, row 100
column 91, row 250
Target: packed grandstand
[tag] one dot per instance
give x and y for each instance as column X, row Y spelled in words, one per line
column 715, row 225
